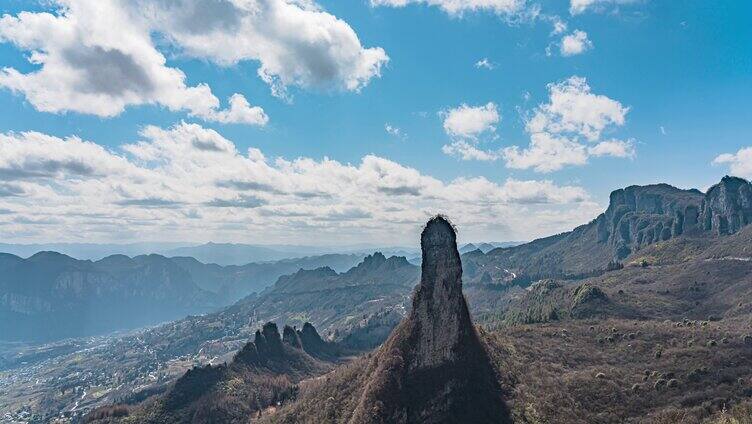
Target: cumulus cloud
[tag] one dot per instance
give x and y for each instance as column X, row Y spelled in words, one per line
column 84, row 66
column 468, row 151
column 561, row 128
column 471, row 121
column 459, row 7
column 575, row 43
column 546, row 153
column 464, row 125
column 615, row 148
column 295, row 42
column 573, row 108
column 191, row 183
column 739, row 163
column 579, row 6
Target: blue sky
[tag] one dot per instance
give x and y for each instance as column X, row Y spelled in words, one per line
column 680, row 72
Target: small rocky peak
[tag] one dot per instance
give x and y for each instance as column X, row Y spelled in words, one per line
column 321, row 272
column 291, row 338
column 248, row 354
column 267, row 340
column 373, row 261
column 311, row 341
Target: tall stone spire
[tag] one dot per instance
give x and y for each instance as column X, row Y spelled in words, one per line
column 434, row 367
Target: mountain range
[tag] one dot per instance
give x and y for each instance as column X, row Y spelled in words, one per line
column 51, row 296
column 638, row 316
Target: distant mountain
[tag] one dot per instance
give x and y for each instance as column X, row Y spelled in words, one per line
column 233, row 282
column 637, row 216
column 209, row 253
column 232, row 254
column 52, row 296
column 92, row 251
column 240, row 254
column 468, row 248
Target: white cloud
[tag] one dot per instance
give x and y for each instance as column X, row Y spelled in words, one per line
column 190, row 183
column 467, row 151
column 573, row 108
column 394, row 131
column 546, row 153
column 85, row 66
column 579, row 6
column 465, row 124
column 458, row 7
column 739, row 163
column 295, row 42
column 240, row 111
column 613, row 148
column 560, row 128
column 485, row 64
column 559, row 26
column 471, row 121
column 575, row 43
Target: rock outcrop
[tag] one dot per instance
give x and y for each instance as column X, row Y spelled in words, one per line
column 727, row 206
column 641, row 215
column 309, row 340
column 433, row 368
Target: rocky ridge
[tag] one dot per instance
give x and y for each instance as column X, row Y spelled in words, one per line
column 636, row 217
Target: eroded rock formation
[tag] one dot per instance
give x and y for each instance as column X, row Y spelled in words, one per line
column 433, row 368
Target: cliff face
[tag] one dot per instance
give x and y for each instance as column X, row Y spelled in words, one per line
column 641, row 215
column 636, row 217
column 727, row 206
